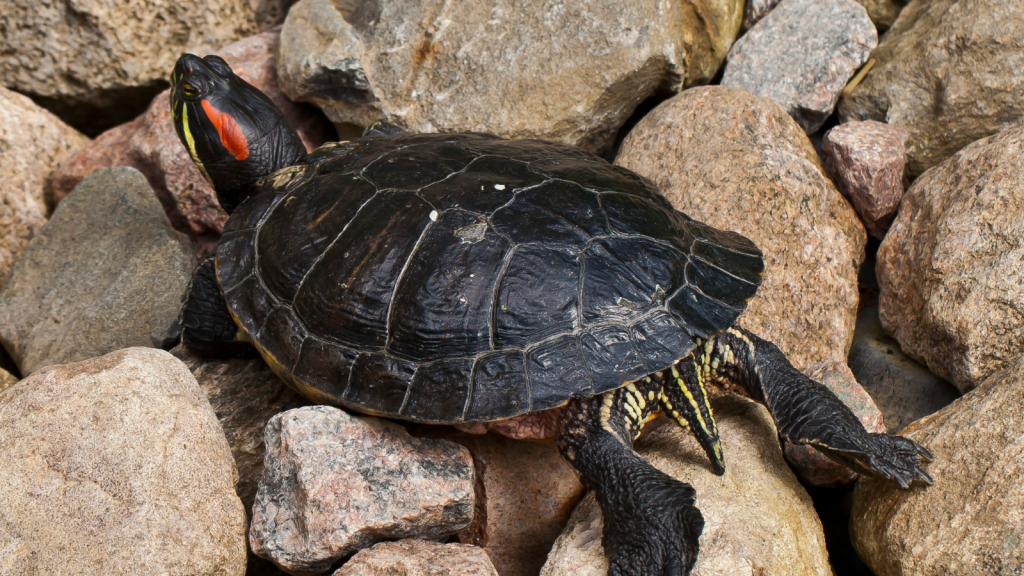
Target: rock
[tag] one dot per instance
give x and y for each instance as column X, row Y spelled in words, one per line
column 949, row 73
column 540, row 425
column 7, row 379
column 756, row 10
column 801, row 55
column 106, row 272
column 565, row 72
column 951, row 268
column 970, row 521
column 883, row 12
column 739, row 162
column 903, row 389
column 419, row 558
column 758, row 519
column 866, row 160
column 150, row 145
column 525, row 493
column 98, row 64
column 32, row 143
column 116, row 465
column 335, row 483
column 813, row 467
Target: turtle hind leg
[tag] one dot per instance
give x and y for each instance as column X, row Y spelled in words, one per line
column 651, row 522
column 206, row 325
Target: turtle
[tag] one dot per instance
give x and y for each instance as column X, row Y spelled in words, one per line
column 459, row 278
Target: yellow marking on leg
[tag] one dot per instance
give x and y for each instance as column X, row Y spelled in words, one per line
column 693, row 401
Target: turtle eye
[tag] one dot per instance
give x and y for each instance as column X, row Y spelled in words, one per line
column 188, row 90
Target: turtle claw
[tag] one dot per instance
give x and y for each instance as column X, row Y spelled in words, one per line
column 893, row 458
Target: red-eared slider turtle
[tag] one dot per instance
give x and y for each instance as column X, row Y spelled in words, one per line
column 452, row 278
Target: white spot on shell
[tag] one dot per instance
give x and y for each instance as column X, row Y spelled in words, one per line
column 499, row 186
column 433, row 215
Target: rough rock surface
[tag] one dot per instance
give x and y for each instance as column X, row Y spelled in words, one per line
column 801, row 55
column 150, row 145
column 949, row 72
column 123, row 51
column 951, row 268
column 758, row 519
column 116, row 465
column 739, row 162
column 419, row 558
column 866, row 160
column 756, row 10
column 525, row 492
column 568, row 72
column 541, row 425
column 883, row 12
column 971, row 520
column 106, row 272
column 903, row 389
column 32, row 143
column 335, row 483
column 813, row 467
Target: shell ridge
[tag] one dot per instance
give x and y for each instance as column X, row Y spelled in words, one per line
column 398, row 284
column 513, row 247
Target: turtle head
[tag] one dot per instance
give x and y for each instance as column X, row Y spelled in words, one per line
column 233, row 132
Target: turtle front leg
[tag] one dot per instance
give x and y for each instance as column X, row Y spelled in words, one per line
column 806, row 412
column 206, row 324
column 651, row 523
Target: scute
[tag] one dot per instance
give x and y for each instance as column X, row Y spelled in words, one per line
column 463, row 277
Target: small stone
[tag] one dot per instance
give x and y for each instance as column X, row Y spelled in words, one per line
column 525, row 492
column 150, row 144
column 336, row 483
column 105, row 273
column 738, row 162
column 883, row 12
column 801, row 55
column 419, row 558
column 7, row 379
column 903, row 389
column 951, row 268
column 866, row 159
column 98, row 64
column 117, row 466
column 32, row 143
column 565, row 72
column 813, row 467
column 971, row 520
column 949, row 73
column 757, row 517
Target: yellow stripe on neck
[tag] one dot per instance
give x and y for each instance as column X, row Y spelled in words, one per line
column 192, row 143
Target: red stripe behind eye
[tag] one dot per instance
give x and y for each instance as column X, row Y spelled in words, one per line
column 231, row 135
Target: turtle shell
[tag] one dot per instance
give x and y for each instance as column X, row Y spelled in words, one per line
column 454, row 278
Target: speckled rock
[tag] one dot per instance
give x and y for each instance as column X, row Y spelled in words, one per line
column 117, row 466
column 758, row 519
column 98, row 64
column 813, row 467
column 419, row 558
column 801, row 55
column 971, row 520
column 150, row 145
column 756, row 10
column 32, row 143
column 867, row 159
column 541, row 425
column 903, row 389
column 951, row 268
column 567, row 72
column 739, row 162
column 336, row 483
column 105, row 273
column 525, row 492
column 949, row 72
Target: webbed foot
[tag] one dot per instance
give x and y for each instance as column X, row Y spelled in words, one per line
column 890, row 457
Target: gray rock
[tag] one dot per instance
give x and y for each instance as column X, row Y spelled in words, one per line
column 106, row 272
column 951, row 268
column 903, row 389
column 568, row 72
column 972, row 520
column 116, row 466
column 758, row 519
column 756, row 10
column 867, row 159
column 419, row 558
column 336, row 483
column 32, row 143
column 98, row 64
column 739, row 162
column 949, row 72
column 801, row 55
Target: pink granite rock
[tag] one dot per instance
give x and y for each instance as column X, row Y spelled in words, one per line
column 150, row 145
column 866, row 159
column 419, row 558
column 335, row 483
column 542, row 425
